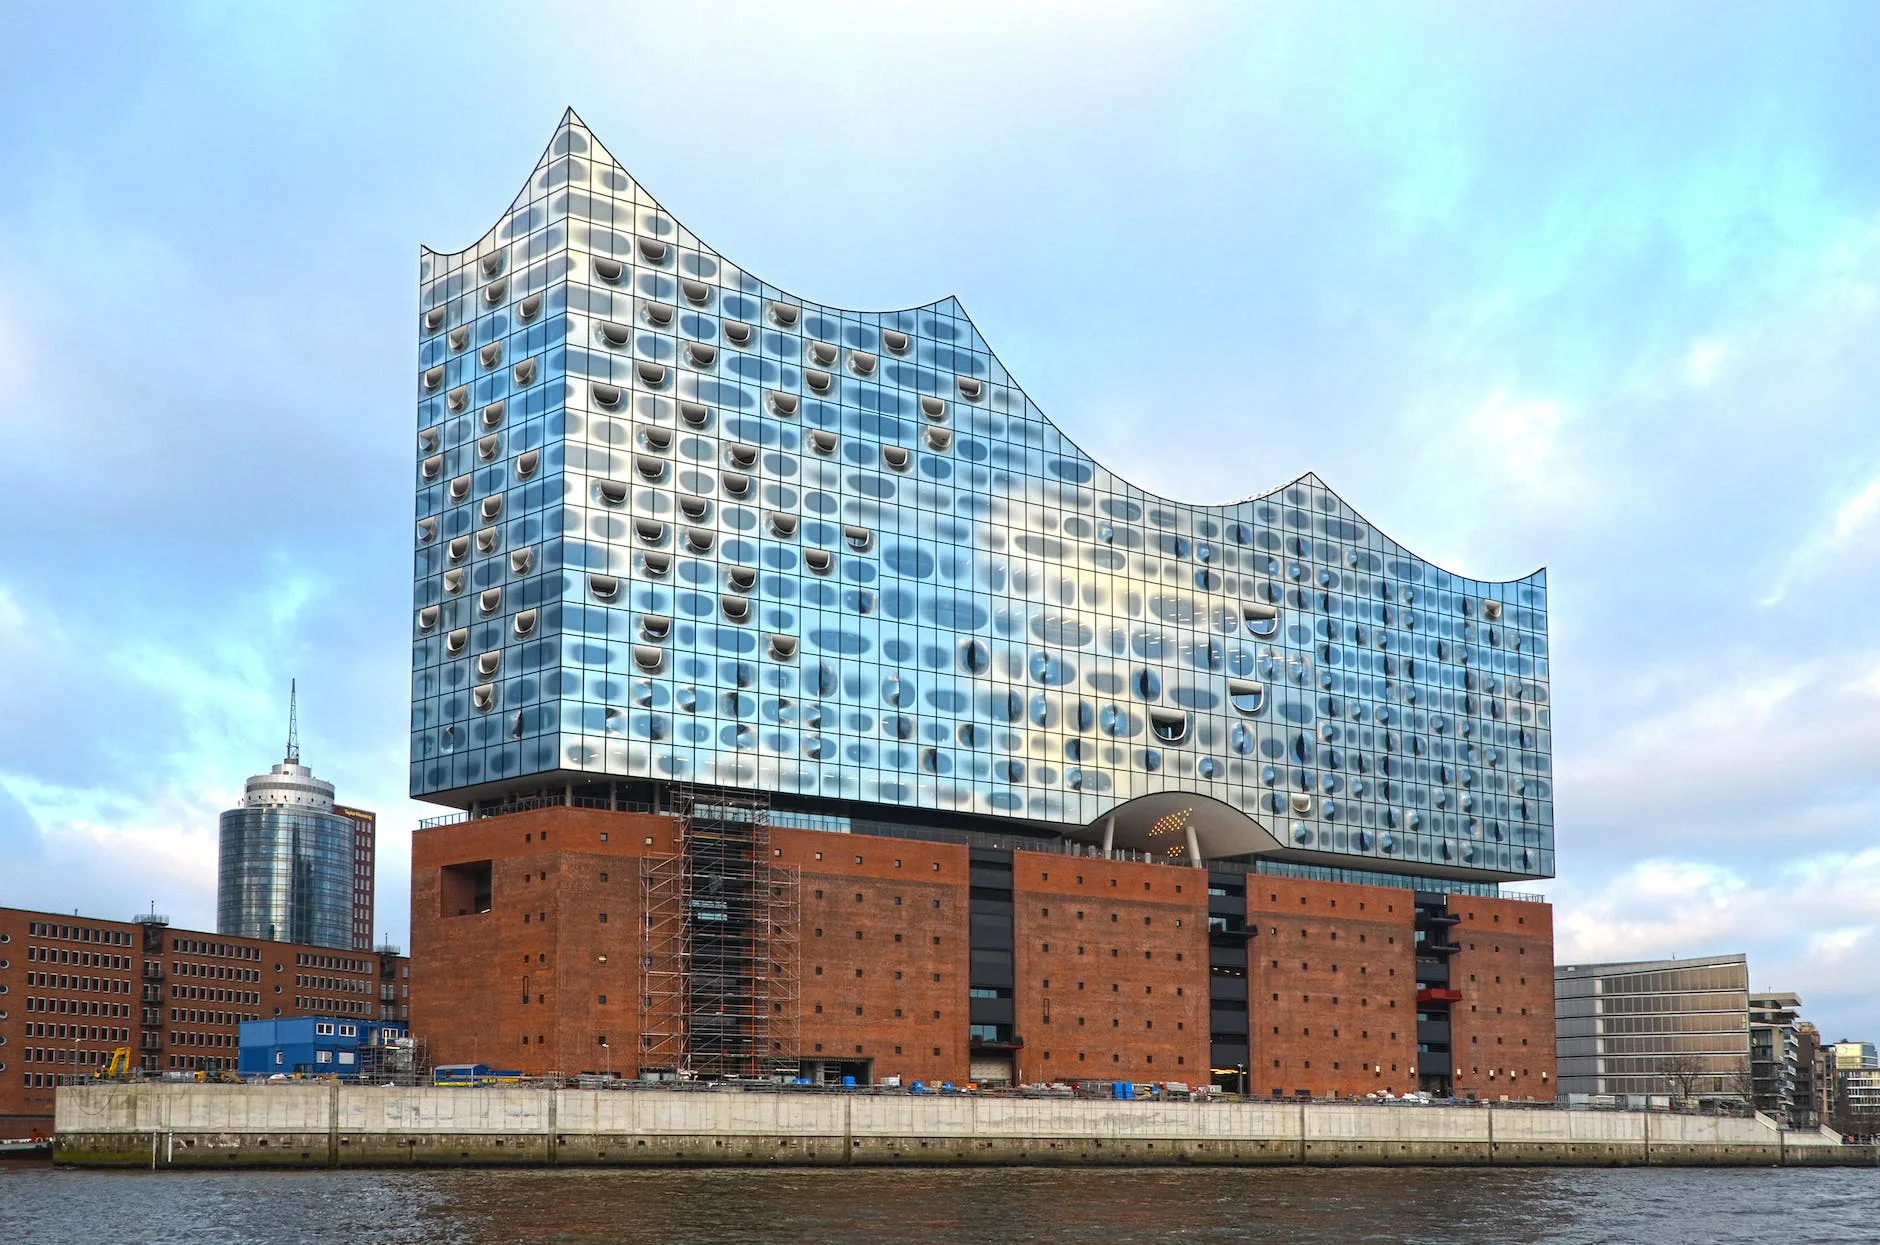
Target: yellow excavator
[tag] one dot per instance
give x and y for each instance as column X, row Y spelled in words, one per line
column 119, row 1069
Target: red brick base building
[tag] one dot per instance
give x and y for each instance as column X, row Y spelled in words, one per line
column 537, row 944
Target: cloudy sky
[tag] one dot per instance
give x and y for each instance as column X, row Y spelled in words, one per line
column 1585, row 285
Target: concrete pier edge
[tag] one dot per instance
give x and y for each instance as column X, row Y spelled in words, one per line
column 156, row 1126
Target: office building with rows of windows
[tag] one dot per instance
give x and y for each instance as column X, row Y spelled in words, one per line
column 1670, row 1028
column 74, row 989
column 693, row 547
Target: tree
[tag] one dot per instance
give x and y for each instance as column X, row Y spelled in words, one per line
column 1682, row 1070
column 1741, row 1083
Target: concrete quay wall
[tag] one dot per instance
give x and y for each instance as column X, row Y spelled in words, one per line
column 304, row 1125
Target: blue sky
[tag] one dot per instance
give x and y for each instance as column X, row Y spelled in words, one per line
column 1587, row 285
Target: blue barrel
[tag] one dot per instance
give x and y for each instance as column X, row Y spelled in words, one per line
column 848, row 1082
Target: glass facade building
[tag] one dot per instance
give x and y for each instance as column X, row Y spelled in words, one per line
column 675, row 524
column 287, row 863
column 1665, row 1027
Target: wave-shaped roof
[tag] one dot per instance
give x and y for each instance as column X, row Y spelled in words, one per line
column 985, row 618
column 573, row 139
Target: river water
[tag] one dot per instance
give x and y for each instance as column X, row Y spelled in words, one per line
column 943, row 1207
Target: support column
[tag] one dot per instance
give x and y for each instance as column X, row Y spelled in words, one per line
column 1109, row 835
column 1194, row 848
column 332, row 1125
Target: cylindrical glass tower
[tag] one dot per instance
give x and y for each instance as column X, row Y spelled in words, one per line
column 286, row 868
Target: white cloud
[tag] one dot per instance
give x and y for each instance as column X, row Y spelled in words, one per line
column 12, row 616
column 1704, row 361
column 1855, row 515
column 1808, row 926
column 16, row 355
column 1519, row 439
column 1839, row 946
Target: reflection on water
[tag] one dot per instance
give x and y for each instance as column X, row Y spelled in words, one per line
column 929, row 1207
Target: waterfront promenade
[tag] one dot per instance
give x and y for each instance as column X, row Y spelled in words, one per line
column 158, row 1125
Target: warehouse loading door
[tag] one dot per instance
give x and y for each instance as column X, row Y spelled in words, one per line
column 991, row 1069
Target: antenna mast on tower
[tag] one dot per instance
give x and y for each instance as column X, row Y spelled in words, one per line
column 293, row 722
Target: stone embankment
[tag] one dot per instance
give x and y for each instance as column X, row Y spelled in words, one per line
column 306, row 1125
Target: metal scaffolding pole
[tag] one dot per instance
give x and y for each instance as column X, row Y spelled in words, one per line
column 720, row 974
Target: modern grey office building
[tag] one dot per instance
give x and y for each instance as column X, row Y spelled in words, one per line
column 676, row 524
column 1782, row 1058
column 292, row 867
column 1665, row 1027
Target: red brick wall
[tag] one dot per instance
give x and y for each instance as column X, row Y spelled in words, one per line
column 885, row 955
column 1331, row 988
column 1502, row 1032
column 1111, row 968
column 203, row 995
column 546, row 898
column 470, row 1007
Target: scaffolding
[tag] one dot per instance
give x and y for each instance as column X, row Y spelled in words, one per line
column 719, row 977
